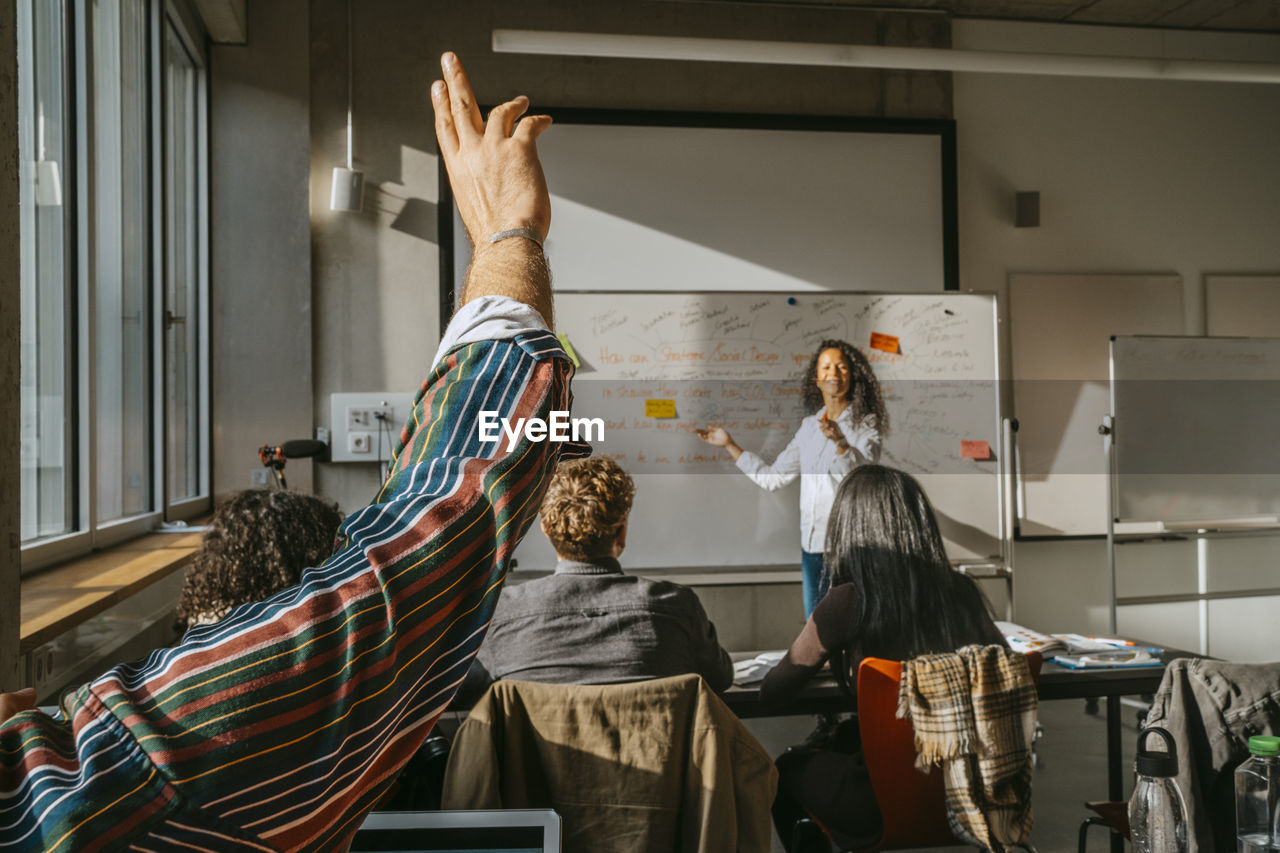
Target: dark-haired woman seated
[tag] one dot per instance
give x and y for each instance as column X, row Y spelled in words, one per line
column 893, row 595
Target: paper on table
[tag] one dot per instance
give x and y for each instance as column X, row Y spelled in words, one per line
column 1136, row 656
column 754, row 669
column 1023, row 639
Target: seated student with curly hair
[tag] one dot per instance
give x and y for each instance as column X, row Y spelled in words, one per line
column 257, row 544
column 588, row 623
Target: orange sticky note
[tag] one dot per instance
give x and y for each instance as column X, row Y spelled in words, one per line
column 974, row 449
column 659, row 408
column 884, row 343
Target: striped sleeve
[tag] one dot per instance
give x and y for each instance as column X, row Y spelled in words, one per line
column 280, row 726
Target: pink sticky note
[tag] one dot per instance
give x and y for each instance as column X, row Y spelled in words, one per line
column 974, row 449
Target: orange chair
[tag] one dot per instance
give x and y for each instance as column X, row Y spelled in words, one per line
column 911, row 802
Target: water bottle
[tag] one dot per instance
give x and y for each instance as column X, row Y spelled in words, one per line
column 1257, row 797
column 1157, row 815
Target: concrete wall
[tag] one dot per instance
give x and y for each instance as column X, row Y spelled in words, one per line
column 1135, row 176
column 376, row 272
column 260, row 269
column 10, row 406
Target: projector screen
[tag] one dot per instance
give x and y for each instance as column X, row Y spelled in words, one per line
column 679, row 201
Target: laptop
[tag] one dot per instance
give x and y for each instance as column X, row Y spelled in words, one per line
column 507, row 831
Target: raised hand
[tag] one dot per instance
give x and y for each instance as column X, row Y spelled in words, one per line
column 493, row 167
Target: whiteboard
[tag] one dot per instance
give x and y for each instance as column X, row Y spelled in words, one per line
column 1196, row 426
column 1060, row 326
column 737, row 359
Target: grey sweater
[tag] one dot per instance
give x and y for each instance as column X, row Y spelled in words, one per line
column 591, row 624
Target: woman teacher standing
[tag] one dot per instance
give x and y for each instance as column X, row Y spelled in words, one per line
column 843, row 432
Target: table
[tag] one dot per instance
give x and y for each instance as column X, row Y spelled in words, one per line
column 824, row 696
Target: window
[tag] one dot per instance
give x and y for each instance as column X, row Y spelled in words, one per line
column 119, row 185
column 182, row 272
column 114, row 343
column 47, row 345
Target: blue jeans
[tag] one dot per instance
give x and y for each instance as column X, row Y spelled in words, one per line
column 813, row 580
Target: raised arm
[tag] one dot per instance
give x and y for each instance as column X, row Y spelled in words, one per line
column 773, row 476
column 498, row 186
column 280, row 726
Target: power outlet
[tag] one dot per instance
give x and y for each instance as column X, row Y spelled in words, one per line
column 376, row 415
column 366, row 417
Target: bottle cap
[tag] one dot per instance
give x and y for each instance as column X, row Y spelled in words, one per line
column 1159, row 764
column 1264, row 745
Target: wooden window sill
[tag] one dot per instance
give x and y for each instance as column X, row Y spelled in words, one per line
column 63, row 597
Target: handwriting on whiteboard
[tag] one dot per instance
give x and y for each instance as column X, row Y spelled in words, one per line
column 737, row 360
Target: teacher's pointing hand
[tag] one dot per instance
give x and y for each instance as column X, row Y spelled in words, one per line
column 718, row 436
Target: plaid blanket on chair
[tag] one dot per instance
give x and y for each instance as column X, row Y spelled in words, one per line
column 974, row 712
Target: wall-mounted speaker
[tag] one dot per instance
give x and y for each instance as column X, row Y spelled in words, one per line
column 1026, row 209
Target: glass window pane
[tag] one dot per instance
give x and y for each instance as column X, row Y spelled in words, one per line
column 120, row 284
column 182, row 321
column 46, row 388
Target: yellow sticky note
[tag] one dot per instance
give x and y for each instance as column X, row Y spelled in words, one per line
column 659, row 408
column 568, row 349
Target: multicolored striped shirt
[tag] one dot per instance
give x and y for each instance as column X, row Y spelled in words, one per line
column 280, row 726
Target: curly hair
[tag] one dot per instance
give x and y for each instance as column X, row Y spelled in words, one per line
column 864, row 391
column 586, row 505
column 257, row 544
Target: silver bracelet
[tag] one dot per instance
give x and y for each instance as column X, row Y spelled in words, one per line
column 527, row 233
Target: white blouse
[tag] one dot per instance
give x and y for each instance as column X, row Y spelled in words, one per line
column 812, row 456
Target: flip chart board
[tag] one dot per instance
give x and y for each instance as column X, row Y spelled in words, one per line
column 1196, row 421
column 656, row 366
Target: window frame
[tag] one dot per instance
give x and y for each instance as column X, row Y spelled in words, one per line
column 88, row 533
column 70, row 237
column 184, row 509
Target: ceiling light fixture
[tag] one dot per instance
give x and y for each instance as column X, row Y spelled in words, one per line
column 682, row 48
column 348, row 183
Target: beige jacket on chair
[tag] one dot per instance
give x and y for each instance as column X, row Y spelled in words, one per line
column 657, row 765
